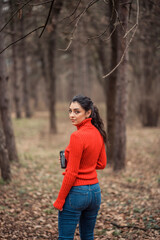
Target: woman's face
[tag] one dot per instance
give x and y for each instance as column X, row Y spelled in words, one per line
column 77, row 114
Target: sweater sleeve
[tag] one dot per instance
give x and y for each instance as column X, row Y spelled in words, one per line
column 75, row 154
column 102, row 160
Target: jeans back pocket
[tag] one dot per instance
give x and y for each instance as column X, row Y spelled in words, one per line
column 78, row 200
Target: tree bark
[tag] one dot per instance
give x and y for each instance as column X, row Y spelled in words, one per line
column 83, row 61
column 51, row 65
column 24, row 73
column 16, row 85
column 4, row 102
column 4, row 161
column 119, row 153
column 111, row 88
column 6, row 117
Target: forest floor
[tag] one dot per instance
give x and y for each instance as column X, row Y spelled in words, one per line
column 130, row 206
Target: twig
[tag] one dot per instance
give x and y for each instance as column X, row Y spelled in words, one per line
column 111, row 33
column 14, row 15
column 76, row 24
column 68, row 46
column 100, row 35
column 37, row 4
column 122, row 57
column 49, row 13
column 81, row 13
column 21, row 38
column 135, row 227
column 136, row 24
column 127, row 226
column 72, row 12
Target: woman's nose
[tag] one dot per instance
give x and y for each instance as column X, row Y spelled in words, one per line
column 71, row 114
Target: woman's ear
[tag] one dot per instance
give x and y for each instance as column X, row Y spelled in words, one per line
column 88, row 113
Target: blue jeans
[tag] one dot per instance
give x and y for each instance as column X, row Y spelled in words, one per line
column 81, row 206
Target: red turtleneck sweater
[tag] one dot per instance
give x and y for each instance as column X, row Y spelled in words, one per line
column 84, row 154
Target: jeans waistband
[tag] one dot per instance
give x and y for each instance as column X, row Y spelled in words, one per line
column 87, row 187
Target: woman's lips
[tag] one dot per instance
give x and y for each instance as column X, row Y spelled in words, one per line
column 72, row 120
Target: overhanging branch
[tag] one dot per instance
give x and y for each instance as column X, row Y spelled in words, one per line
column 21, row 38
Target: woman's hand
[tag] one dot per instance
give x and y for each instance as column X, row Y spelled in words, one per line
column 58, row 209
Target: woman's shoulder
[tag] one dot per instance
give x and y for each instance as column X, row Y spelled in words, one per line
column 77, row 136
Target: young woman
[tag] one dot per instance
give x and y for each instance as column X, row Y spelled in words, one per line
column 80, row 195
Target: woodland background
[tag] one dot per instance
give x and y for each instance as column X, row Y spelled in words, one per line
column 49, row 52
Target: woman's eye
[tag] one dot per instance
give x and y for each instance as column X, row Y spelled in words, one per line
column 69, row 111
column 76, row 112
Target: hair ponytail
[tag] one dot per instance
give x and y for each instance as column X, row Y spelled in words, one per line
column 87, row 104
column 98, row 123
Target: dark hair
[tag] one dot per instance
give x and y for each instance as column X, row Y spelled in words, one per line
column 87, row 104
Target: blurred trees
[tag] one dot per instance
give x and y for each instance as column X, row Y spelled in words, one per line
column 144, row 59
column 149, row 108
column 82, row 42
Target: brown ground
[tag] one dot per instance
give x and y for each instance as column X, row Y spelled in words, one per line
column 130, row 206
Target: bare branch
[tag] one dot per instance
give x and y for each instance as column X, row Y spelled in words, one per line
column 76, row 24
column 80, row 14
column 42, row 3
column 125, row 50
column 68, row 46
column 49, row 13
column 136, row 24
column 14, row 15
column 21, row 38
column 100, row 35
column 72, row 12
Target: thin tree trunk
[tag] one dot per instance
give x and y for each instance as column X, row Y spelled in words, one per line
column 6, row 117
column 149, row 106
column 74, row 84
column 16, row 85
column 121, row 92
column 24, row 74
column 4, row 161
column 51, row 65
column 111, row 88
column 52, row 80
column 4, row 102
column 43, row 68
column 83, row 61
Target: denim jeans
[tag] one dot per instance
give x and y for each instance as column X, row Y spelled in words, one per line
column 81, row 206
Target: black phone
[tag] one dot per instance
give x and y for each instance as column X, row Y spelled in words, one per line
column 62, row 159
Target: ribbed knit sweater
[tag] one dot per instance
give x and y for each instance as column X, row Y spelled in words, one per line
column 84, row 154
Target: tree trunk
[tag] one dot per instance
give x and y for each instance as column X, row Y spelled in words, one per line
column 111, row 88
column 121, row 92
column 16, row 85
column 52, row 80
column 24, row 73
column 72, row 84
column 51, row 65
column 4, row 161
column 43, row 67
column 149, row 108
column 83, row 60
column 75, row 83
column 4, row 102
column 6, row 117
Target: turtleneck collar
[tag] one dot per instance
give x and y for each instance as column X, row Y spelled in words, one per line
column 85, row 122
